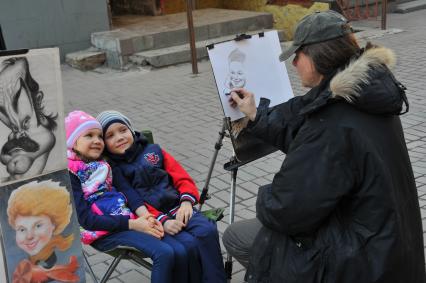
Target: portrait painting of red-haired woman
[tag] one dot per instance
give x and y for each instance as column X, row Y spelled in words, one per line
column 40, row 233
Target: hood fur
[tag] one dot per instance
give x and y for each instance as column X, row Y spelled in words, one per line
column 347, row 83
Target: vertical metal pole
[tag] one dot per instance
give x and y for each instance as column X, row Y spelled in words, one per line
column 384, row 13
column 192, row 37
column 2, row 43
column 217, row 147
column 109, row 14
column 228, row 263
column 232, row 195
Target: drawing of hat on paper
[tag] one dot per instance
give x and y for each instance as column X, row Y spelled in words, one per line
column 39, row 212
column 236, row 78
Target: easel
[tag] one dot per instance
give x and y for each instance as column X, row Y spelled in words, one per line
column 231, row 166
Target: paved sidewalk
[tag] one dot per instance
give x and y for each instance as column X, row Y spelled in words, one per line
column 185, row 115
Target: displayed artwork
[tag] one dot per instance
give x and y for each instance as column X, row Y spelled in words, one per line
column 32, row 138
column 251, row 63
column 40, row 234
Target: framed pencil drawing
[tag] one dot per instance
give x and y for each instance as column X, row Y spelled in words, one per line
column 32, row 139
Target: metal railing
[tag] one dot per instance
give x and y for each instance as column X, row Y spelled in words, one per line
column 363, row 9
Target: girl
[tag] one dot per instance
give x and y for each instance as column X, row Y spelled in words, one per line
column 102, row 212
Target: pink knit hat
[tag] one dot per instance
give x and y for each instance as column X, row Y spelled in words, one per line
column 76, row 124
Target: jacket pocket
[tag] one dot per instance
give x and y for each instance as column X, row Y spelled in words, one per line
column 307, row 263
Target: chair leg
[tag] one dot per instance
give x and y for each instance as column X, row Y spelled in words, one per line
column 140, row 261
column 112, row 267
column 92, row 274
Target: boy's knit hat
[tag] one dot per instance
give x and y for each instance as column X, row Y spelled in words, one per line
column 106, row 118
column 76, row 124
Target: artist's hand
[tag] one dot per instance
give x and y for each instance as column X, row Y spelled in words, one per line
column 145, row 224
column 173, row 226
column 245, row 101
column 184, row 212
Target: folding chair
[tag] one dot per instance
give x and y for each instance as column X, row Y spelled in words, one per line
column 119, row 253
column 130, row 253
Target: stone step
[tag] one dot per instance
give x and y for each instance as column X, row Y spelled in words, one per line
column 182, row 53
column 410, row 6
column 171, row 30
column 85, row 60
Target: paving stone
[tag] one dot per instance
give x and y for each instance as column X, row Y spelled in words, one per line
column 134, row 276
column 100, row 269
column 89, row 250
column 98, row 257
column 251, row 202
column 246, row 214
column 423, row 213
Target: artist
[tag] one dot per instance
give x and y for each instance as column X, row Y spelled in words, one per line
column 22, row 111
column 343, row 206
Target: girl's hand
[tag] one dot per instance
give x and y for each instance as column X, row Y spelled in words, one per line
column 157, row 224
column 144, row 225
column 184, row 212
column 141, row 210
column 245, row 101
column 173, row 226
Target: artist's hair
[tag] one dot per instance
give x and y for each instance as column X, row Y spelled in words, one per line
column 47, row 120
column 41, row 198
column 328, row 56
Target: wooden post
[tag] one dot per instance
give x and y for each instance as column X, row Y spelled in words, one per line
column 384, row 13
column 192, row 37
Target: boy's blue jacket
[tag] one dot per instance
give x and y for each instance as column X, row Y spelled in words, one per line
column 149, row 176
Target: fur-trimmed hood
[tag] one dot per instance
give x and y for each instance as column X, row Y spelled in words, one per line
column 368, row 83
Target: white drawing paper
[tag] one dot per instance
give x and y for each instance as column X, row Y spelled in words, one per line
column 254, row 65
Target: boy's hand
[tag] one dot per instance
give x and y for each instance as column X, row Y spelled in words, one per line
column 173, row 226
column 143, row 224
column 184, row 212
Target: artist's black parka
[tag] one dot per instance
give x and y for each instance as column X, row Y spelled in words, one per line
column 343, row 208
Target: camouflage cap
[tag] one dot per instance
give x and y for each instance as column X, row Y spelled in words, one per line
column 317, row 27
